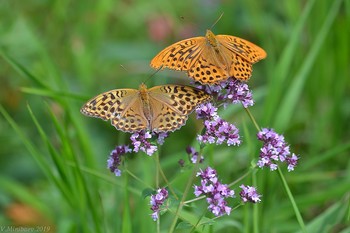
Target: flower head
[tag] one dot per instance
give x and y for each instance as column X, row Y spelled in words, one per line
column 218, row 130
column 142, row 141
column 231, row 91
column 215, row 192
column 156, row 201
column 249, row 193
column 114, row 160
column 206, row 111
column 274, row 149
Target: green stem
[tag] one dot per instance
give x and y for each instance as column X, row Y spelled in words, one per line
column 138, row 179
column 156, row 157
column 188, row 186
column 240, row 178
column 255, row 208
column 160, row 170
column 252, row 118
column 291, row 198
column 286, row 187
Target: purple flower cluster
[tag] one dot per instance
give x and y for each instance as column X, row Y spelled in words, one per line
column 274, row 149
column 214, row 191
column 114, row 160
column 249, row 193
column 231, row 91
column 141, row 141
column 194, row 155
column 156, row 201
column 217, row 130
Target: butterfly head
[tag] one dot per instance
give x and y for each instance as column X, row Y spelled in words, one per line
column 142, row 87
column 210, row 36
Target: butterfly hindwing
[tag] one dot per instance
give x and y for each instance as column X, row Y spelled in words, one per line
column 182, row 99
column 132, row 119
column 164, row 118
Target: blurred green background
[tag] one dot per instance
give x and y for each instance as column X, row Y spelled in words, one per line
column 55, row 55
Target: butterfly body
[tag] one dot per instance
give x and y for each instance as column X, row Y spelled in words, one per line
column 158, row 109
column 211, row 59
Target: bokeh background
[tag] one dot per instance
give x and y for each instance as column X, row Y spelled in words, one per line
column 55, row 55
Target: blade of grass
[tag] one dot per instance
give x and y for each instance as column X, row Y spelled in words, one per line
column 37, row 156
column 283, row 66
column 52, row 93
column 288, row 104
column 23, row 71
column 63, row 184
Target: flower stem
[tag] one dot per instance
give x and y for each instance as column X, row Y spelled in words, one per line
column 255, row 207
column 160, row 170
column 252, row 118
column 156, row 156
column 182, row 202
column 138, row 179
column 291, row 198
column 240, row 178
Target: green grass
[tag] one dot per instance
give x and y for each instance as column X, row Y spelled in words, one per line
column 57, row 54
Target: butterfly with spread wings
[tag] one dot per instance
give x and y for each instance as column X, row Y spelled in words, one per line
column 211, row 59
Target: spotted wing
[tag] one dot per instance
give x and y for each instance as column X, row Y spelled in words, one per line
column 245, row 49
column 171, row 105
column 179, row 56
column 210, row 67
column 240, row 68
column 121, row 106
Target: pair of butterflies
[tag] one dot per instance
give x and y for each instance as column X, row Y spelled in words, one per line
column 208, row 60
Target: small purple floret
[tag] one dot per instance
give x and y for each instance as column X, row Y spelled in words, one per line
column 215, row 192
column 156, row 201
column 273, row 150
column 249, row 193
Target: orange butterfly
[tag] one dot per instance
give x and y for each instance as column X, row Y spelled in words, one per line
column 211, row 59
column 158, row 109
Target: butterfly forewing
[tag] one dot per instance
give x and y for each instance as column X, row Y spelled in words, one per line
column 111, row 103
column 247, row 50
column 179, row 56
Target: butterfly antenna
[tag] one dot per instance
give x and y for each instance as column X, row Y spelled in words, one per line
column 217, row 20
column 154, row 73
column 124, row 68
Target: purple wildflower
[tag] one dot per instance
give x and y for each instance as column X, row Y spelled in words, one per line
column 236, row 92
column 206, row 111
column 214, row 191
column 157, row 200
column 140, row 141
column 219, row 131
column 274, row 149
column 249, row 193
column 161, row 137
column 292, row 161
column 114, row 160
column 231, row 91
column 194, row 155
